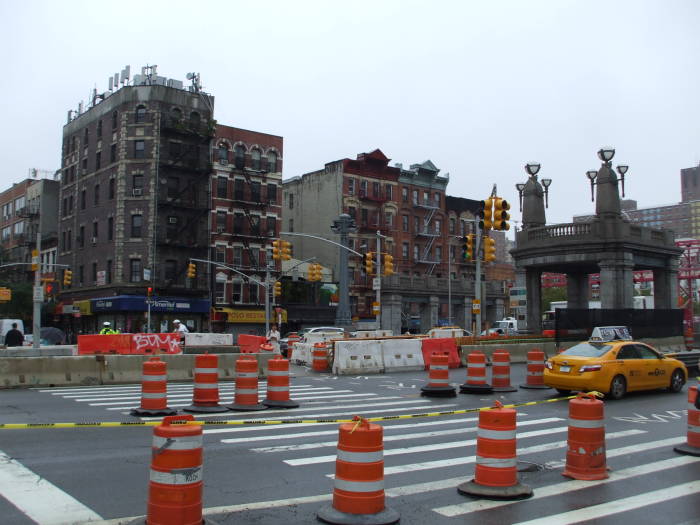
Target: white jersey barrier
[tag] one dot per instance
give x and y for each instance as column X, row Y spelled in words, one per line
column 368, row 334
column 357, row 357
column 301, row 355
column 445, row 332
column 402, row 354
column 194, row 339
column 321, row 337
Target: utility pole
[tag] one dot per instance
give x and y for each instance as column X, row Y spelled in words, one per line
column 38, row 290
column 477, row 280
column 379, row 281
column 343, row 225
column 267, row 298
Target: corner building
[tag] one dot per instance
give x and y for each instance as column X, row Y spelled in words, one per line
column 134, row 205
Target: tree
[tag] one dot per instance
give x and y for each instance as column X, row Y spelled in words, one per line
column 554, row 293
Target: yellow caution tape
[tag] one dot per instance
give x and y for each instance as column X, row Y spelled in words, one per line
column 112, row 424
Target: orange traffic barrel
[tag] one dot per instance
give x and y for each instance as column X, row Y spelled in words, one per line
column 292, row 339
column 439, row 378
column 692, row 446
column 154, row 390
column 585, row 454
column 535, row 369
column 500, row 371
column 496, row 472
column 476, row 375
column 278, row 384
column 358, row 493
column 320, row 357
column 246, row 396
column 205, row 396
column 175, row 486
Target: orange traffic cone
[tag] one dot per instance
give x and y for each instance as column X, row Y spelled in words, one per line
column 496, row 473
column 246, row 397
column 278, row 384
column 476, row 375
column 535, row 369
column 692, row 446
column 438, row 378
column 320, row 357
column 154, row 390
column 500, row 372
column 358, row 495
column 175, row 487
column 205, row 397
column 585, row 454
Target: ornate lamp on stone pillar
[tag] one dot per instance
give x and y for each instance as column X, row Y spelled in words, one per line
column 608, row 196
column 533, row 197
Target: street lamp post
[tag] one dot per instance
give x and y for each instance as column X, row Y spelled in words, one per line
column 343, row 226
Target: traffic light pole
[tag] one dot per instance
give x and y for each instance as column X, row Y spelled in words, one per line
column 378, row 318
column 38, row 292
column 477, row 279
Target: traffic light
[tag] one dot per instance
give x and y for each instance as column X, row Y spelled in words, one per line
column 469, row 247
column 276, row 251
column 489, row 249
column 314, row 272
column 191, row 270
column 286, row 250
column 67, row 278
column 277, row 290
column 500, row 214
column 149, row 292
column 368, row 261
column 388, row 264
column 49, row 288
column 487, row 223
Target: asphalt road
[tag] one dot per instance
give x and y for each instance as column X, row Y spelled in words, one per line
column 275, row 474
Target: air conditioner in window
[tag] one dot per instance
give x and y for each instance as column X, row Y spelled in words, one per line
column 220, row 229
column 220, row 300
column 94, row 241
column 172, row 220
column 138, row 192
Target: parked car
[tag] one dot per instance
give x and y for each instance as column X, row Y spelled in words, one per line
column 302, row 334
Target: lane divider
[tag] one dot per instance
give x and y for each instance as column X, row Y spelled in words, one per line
column 112, row 424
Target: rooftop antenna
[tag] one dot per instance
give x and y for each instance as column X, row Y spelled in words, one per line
column 196, row 83
column 149, row 72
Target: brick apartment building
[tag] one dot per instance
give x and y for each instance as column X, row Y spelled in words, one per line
column 421, row 225
column 134, row 205
column 246, row 216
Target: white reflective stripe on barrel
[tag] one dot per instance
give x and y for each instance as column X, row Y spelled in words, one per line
column 206, row 386
column 476, row 365
column 495, row 434
column 476, row 378
column 694, row 429
column 151, row 395
column 206, row 370
column 177, row 443
column 438, row 367
column 277, row 373
column 360, row 457
column 586, row 423
column 496, row 462
column 277, row 388
column 182, row 476
column 359, row 486
column 246, row 374
column 246, row 391
column 154, row 378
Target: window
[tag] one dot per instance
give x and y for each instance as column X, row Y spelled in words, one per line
column 222, row 187
column 404, row 250
column 291, row 201
column 351, row 186
column 173, row 187
column 139, row 149
column 239, row 156
column 99, row 129
column 140, row 114
column 237, row 292
column 255, row 191
column 113, row 153
column 252, row 292
column 363, row 188
column 363, row 214
column 109, row 271
column 415, row 197
column 453, row 252
column 81, row 274
column 223, row 153
column 176, row 114
column 65, row 206
column 352, row 211
column 220, row 221
column 82, row 200
column 170, row 270
column 291, row 225
column 271, row 226
column 389, row 219
column 238, row 256
column 95, row 229
column 272, row 162
column 437, row 200
column 114, row 121
column 404, row 194
column 438, row 226
column 220, row 292
column 255, row 157
column 238, row 189
column 63, row 241
column 221, row 254
column 110, row 228
column 388, row 190
column 272, row 193
column 452, row 225
column 238, row 220
column 438, row 253
column 94, row 273
column 135, row 271
column 376, row 190
column 19, row 228
column 254, row 257
column 195, row 118
column 416, row 224
column 70, row 240
column 84, row 165
column 86, row 137
column 96, row 195
column 255, row 225
column 426, row 197
column 98, row 160
column 81, row 237
column 171, row 227
column 404, row 223
column 6, row 233
column 136, row 225
column 416, row 250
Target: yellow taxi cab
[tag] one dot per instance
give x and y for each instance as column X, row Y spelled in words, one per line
column 612, row 363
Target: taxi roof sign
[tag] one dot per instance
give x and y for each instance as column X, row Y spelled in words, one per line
column 605, row 334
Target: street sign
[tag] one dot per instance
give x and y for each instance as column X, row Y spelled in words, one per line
column 375, row 307
column 376, row 284
column 38, row 293
column 476, row 306
column 146, row 274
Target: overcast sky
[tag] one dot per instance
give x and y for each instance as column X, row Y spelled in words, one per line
column 479, row 88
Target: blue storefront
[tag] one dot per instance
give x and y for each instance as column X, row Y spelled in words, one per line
column 129, row 313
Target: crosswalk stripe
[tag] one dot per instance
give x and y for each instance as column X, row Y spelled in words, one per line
column 619, row 505
column 182, row 393
column 422, row 448
column 416, row 435
column 189, row 397
column 560, row 488
column 545, row 447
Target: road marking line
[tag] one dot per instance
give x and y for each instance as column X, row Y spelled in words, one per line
column 185, row 393
column 416, row 435
column 183, row 397
column 621, row 505
column 39, row 499
column 559, row 488
column 422, row 448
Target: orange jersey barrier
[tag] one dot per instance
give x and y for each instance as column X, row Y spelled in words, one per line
column 250, row 344
column 155, row 343
column 104, row 344
column 154, row 390
column 585, row 454
column 441, row 345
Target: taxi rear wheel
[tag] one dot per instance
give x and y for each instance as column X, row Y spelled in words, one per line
column 563, row 392
column 677, row 381
column 618, row 388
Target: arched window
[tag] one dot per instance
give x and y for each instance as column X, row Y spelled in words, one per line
column 176, row 113
column 114, row 121
column 140, row 114
column 255, row 157
column 239, row 156
column 223, row 152
column 194, row 117
column 272, row 162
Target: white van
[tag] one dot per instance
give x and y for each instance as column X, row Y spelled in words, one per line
column 6, row 326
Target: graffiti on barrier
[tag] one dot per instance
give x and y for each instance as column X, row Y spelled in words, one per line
column 154, row 342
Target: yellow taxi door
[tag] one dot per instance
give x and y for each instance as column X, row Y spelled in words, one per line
column 656, row 375
column 633, row 366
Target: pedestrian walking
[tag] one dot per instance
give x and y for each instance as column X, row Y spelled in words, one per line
column 273, row 337
column 180, row 328
column 14, row 337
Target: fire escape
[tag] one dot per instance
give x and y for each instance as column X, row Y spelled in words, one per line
column 429, row 234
